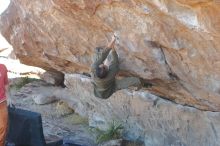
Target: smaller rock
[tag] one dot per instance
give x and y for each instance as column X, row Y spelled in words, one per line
column 43, row 99
column 116, row 142
column 78, row 138
column 54, row 78
column 45, row 94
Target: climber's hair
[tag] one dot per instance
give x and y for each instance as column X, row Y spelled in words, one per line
column 101, row 71
column 99, row 49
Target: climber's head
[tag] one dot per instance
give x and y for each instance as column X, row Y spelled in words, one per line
column 102, row 71
column 99, row 49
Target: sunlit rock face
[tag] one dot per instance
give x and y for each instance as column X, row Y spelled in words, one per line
column 145, row 117
column 174, row 44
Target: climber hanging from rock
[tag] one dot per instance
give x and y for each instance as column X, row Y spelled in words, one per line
column 104, row 69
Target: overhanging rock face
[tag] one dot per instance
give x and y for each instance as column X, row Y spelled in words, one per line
column 172, row 43
column 145, row 117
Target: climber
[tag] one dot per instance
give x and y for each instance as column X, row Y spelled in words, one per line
column 104, row 69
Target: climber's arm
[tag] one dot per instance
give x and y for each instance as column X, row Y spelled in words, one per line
column 114, row 65
column 99, row 56
column 112, row 43
column 103, row 52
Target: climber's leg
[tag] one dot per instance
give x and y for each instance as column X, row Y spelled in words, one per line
column 127, row 82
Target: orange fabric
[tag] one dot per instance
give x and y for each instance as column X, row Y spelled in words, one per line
column 3, row 122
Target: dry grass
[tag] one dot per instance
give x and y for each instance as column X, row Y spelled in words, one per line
column 63, row 109
column 77, row 119
column 22, row 82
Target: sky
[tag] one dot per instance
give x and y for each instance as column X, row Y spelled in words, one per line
column 12, row 65
column 3, row 5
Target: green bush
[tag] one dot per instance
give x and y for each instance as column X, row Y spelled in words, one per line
column 23, row 81
column 113, row 132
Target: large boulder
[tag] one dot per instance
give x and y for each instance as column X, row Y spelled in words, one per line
column 145, row 117
column 174, row 44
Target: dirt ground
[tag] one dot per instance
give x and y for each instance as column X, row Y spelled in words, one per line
column 58, row 120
